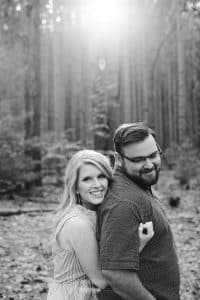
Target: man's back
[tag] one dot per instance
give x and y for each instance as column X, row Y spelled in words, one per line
column 125, row 207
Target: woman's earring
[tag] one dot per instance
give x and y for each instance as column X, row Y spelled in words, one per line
column 78, row 198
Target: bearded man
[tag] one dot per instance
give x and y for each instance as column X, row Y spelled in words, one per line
column 152, row 274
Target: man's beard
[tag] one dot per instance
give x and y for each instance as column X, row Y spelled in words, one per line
column 141, row 180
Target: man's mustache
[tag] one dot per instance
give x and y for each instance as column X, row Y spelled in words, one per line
column 146, row 171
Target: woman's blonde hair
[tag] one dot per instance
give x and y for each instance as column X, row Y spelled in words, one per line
column 69, row 198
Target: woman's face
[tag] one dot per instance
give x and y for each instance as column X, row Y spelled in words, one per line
column 92, row 185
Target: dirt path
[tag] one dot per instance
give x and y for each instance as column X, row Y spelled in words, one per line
column 25, row 264
column 185, row 224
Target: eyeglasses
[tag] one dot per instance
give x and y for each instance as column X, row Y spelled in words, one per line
column 142, row 159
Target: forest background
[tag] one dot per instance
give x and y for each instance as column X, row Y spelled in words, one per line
column 70, row 73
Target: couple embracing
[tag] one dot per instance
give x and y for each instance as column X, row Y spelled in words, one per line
column 112, row 239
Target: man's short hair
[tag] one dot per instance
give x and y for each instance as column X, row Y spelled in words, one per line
column 131, row 133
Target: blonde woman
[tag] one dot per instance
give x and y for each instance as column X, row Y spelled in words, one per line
column 77, row 274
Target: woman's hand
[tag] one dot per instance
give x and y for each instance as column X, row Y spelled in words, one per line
column 146, row 232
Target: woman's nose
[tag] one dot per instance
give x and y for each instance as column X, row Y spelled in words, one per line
column 97, row 182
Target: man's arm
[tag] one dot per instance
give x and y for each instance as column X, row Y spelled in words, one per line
column 127, row 284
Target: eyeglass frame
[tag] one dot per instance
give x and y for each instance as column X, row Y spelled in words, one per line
column 142, row 159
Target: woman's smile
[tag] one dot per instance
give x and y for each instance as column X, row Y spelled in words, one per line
column 92, row 185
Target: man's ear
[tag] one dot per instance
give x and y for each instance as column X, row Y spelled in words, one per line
column 118, row 159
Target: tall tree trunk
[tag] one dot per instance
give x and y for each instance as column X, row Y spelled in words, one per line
column 33, row 90
column 169, row 102
column 181, row 76
column 175, row 101
column 160, row 106
column 85, row 125
column 196, row 83
column 144, row 67
column 125, row 77
column 133, row 78
column 50, row 87
column 59, row 80
column 32, row 83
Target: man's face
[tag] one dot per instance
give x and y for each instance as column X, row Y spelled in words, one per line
column 145, row 167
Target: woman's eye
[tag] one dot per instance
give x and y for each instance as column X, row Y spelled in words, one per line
column 86, row 179
column 101, row 176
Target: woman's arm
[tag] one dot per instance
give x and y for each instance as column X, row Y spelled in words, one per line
column 79, row 235
column 127, row 284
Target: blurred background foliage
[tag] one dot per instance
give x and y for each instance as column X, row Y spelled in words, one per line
column 71, row 72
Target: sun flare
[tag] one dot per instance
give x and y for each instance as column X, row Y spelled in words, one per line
column 105, row 15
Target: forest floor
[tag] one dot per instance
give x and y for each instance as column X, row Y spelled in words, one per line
column 25, row 262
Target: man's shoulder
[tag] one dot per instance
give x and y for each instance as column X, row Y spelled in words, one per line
column 124, row 186
column 124, row 192
column 121, row 179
